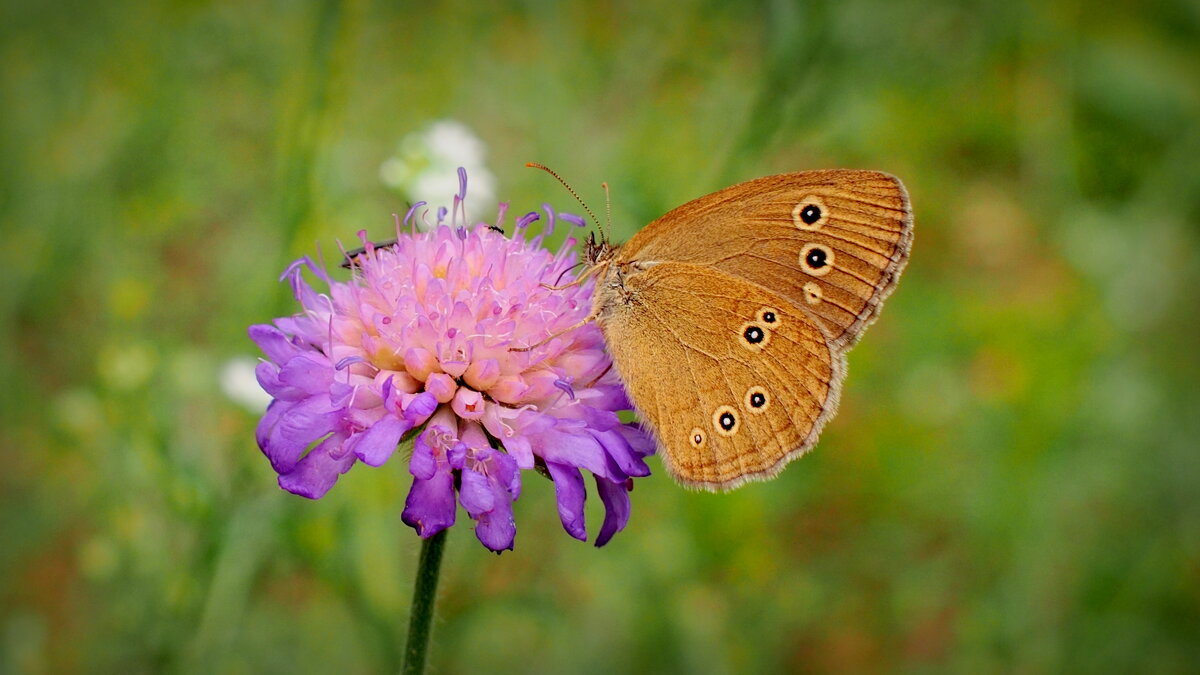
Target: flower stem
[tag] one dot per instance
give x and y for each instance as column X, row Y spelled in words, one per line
column 420, row 619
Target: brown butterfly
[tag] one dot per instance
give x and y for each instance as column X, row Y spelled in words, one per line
column 729, row 318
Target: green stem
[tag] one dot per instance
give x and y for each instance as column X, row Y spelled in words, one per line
column 420, row 620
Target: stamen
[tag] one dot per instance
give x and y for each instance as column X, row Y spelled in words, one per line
column 548, row 231
column 411, row 210
column 501, row 211
column 565, row 385
column 526, row 219
column 346, row 362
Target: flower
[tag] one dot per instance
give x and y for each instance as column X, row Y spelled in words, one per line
column 419, row 344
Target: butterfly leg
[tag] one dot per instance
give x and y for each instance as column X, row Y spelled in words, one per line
column 588, row 319
column 582, row 278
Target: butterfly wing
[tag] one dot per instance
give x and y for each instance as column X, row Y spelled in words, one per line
column 833, row 242
column 734, row 379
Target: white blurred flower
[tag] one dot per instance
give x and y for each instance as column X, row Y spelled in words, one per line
column 425, row 163
column 239, row 383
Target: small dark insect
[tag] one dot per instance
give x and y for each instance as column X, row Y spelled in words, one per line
column 349, row 261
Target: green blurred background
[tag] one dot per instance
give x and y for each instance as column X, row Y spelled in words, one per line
column 1011, row 484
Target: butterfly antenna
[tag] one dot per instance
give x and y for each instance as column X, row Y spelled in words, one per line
column 535, row 165
column 608, row 211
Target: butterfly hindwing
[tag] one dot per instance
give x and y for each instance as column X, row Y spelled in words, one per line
column 734, row 379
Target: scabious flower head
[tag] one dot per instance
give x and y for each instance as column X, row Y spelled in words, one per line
column 418, row 344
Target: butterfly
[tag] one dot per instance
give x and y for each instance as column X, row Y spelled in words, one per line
column 729, row 318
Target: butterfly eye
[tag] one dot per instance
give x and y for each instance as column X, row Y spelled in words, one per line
column 816, row 259
column 809, row 214
column 725, row 420
column 754, row 337
column 757, row 400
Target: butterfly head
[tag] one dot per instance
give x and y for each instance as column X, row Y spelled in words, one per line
column 598, row 250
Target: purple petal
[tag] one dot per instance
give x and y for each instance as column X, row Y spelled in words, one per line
column 579, row 450
column 267, row 374
column 476, row 493
column 300, row 288
column 506, row 473
column 342, row 395
column 609, row 397
column 316, row 473
column 519, row 450
column 621, row 454
column 423, row 464
column 457, row 455
column 262, row 432
column 390, row 395
column 616, row 509
column 570, row 493
column 640, row 440
column 468, row 404
column 597, row 419
column 376, row 445
column 306, row 374
column 430, row 505
column 496, row 529
column 297, row 428
column 273, row 342
column 418, row 410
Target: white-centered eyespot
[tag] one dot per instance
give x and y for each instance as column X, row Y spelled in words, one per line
column 816, row 259
column 769, row 316
column 725, row 420
column 810, row 213
column 754, row 336
column 697, row 438
column 757, row 400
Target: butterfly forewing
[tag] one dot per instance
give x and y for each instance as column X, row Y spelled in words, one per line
column 832, row 242
column 734, row 379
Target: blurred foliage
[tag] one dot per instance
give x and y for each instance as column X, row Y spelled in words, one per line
column 1010, row 485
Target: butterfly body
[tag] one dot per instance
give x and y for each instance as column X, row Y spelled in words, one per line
column 729, row 317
